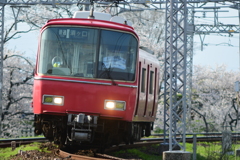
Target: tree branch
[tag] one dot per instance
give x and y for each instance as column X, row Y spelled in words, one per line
column 204, row 118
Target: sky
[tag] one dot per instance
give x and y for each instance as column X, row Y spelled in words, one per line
column 217, row 50
column 27, row 43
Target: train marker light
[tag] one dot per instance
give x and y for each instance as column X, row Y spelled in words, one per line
column 48, row 99
column 115, row 105
column 53, row 100
column 120, row 105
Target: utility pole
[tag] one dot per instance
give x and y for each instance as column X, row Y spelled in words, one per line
column 239, row 33
column 178, row 66
column 1, row 60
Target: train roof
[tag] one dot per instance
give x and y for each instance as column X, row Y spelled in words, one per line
column 148, row 56
column 102, row 16
column 102, row 20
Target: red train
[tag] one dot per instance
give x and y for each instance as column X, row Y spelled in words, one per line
column 92, row 84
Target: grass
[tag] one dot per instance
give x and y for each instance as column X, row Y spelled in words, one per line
column 140, row 153
column 213, row 151
column 205, row 151
column 6, row 153
column 40, row 136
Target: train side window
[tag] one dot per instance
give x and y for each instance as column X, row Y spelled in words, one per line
column 151, row 82
column 143, row 79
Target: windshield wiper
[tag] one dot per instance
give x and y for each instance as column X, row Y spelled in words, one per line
column 107, row 72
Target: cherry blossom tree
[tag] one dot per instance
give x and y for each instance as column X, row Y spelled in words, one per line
column 17, row 93
column 149, row 25
column 38, row 15
column 213, row 93
column 214, row 106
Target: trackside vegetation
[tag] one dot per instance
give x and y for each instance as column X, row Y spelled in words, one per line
column 205, row 151
column 6, row 153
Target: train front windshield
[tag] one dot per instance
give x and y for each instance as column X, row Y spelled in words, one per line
column 89, row 53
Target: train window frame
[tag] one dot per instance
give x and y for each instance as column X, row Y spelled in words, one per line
column 143, row 80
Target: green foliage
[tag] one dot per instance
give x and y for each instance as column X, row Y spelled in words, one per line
column 212, row 151
column 142, row 153
column 179, row 96
column 205, row 151
column 158, row 130
column 6, row 153
column 36, row 136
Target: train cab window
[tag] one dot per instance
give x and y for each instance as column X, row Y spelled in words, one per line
column 143, row 83
column 66, row 51
column 88, row 52
column 117, row 57
column 151, row 82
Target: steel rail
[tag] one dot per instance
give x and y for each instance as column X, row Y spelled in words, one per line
column 206, row 134
column 19, row 141
column 159, row 138
column 66, row 155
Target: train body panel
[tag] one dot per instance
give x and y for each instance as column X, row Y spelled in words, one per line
column 91, row 79
column 148, row 87
column 80, row 97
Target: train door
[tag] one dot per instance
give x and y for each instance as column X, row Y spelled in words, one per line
column 139, row 112
column 152, row 92
column 147, row 92
column 151, row 87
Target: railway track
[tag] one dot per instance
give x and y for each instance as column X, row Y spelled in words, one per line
column 211, row 137
column 20, row 141
column 97, row 156
column 143, row 142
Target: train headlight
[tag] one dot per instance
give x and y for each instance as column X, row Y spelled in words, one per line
column 115, row 105
column 53, row 100
column 58, row 100
column 110, row 105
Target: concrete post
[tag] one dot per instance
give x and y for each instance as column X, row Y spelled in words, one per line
column 176, row 155
column 237, row 154
column 13, row 145
column 165, row 147
column 226, row 141
column 194, row 146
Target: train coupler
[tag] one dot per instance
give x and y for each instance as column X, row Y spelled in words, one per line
column 82, row 126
